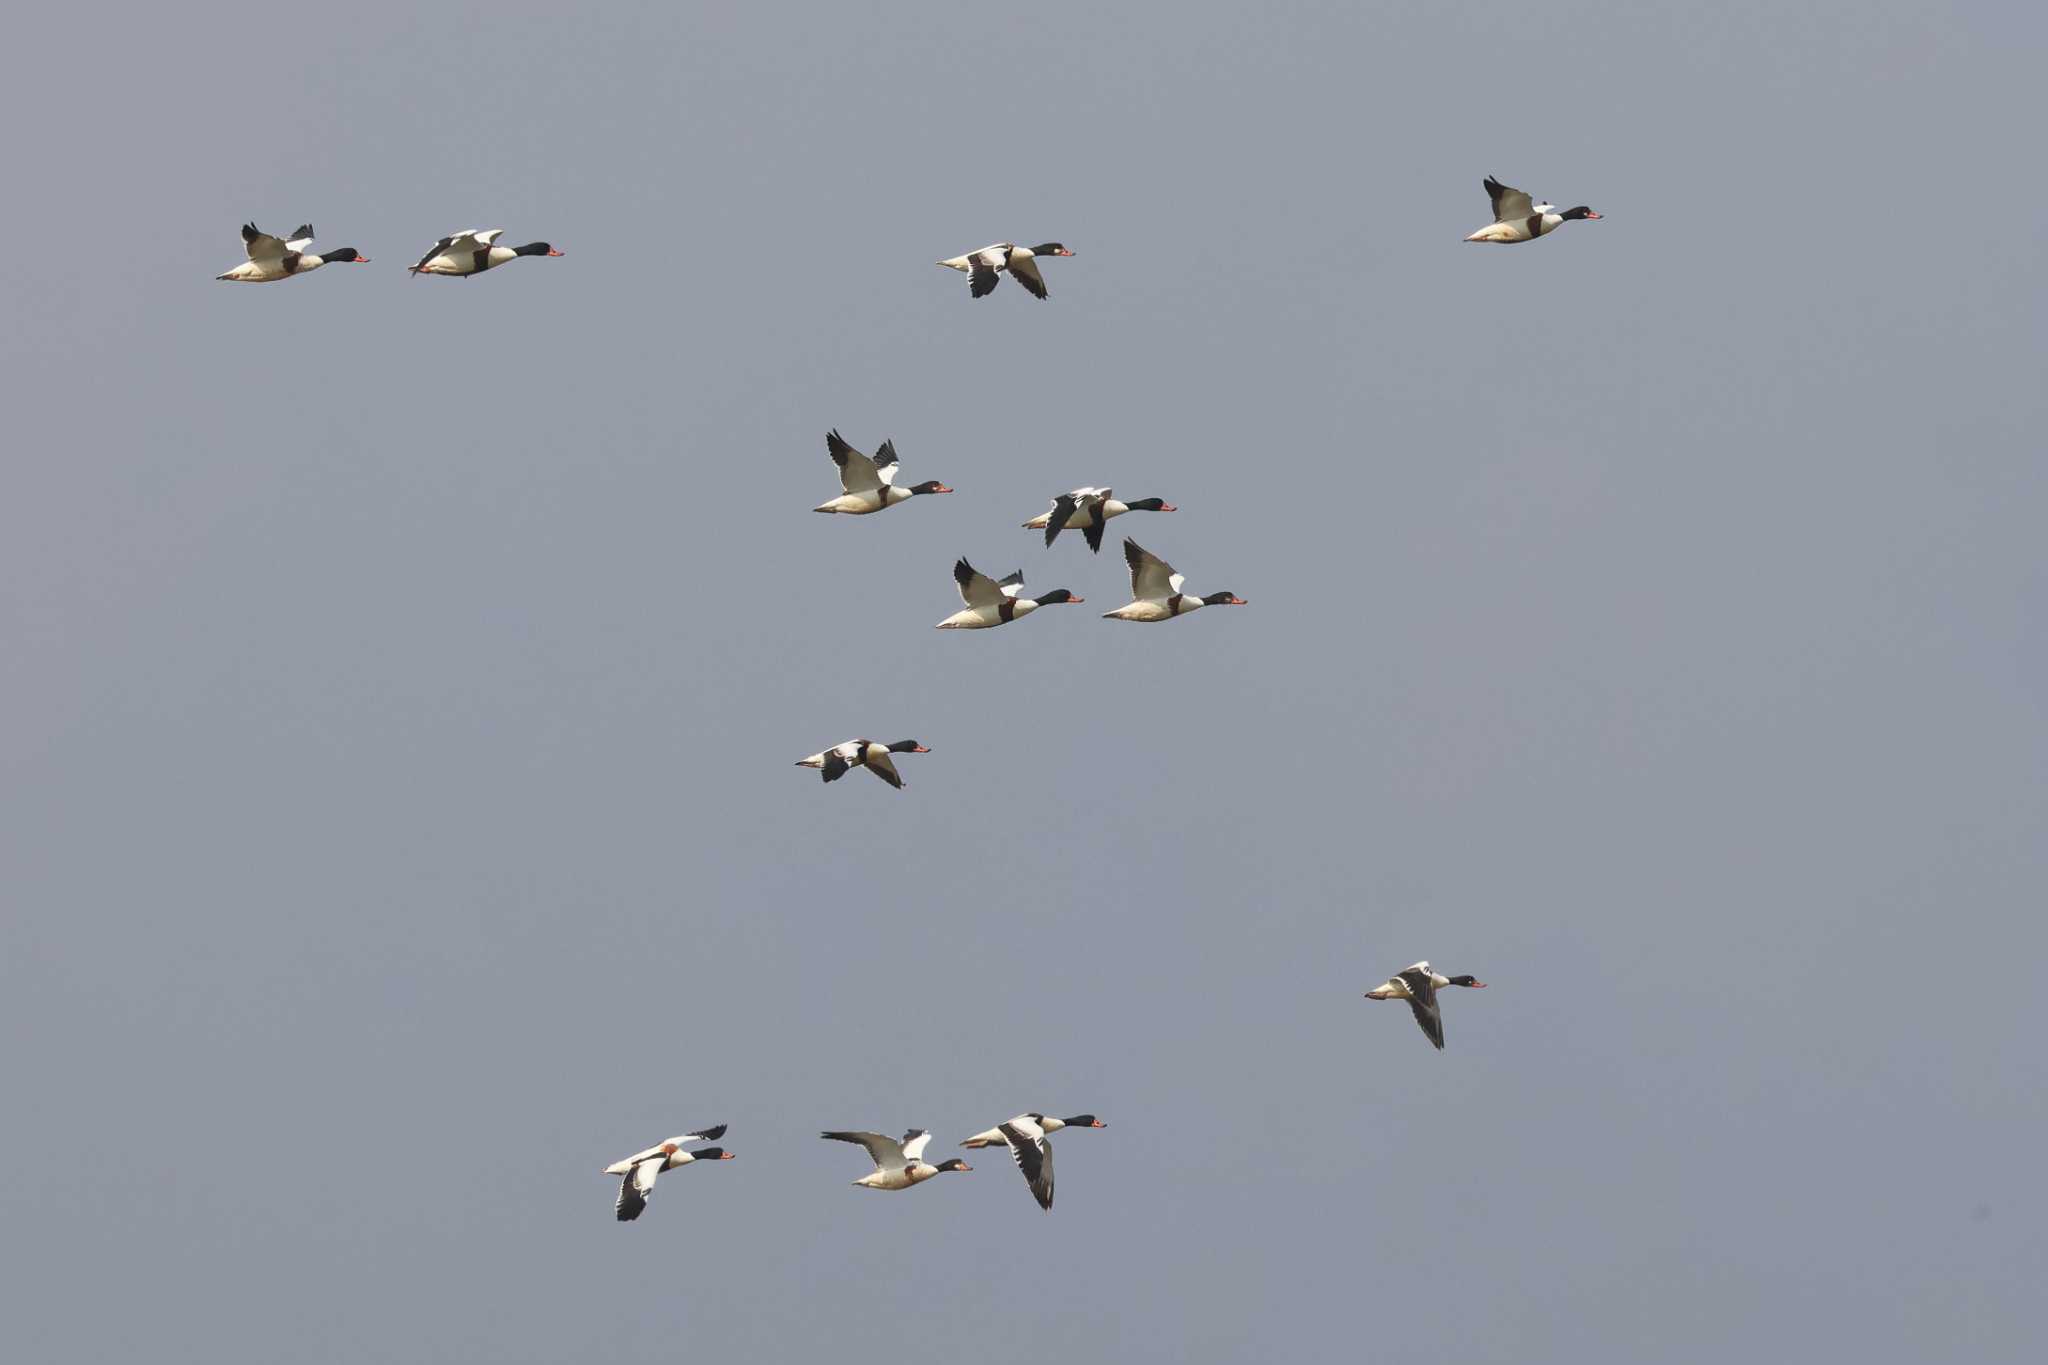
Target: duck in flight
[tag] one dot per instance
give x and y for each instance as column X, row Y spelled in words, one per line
column 473, row 252
column 863, row 753
column 990, row 603
column 1088, row 511
column 1518, row 219
column 1156, row 590
column 984, row 268
column 1418, row 985
column 271, row 258
column 868, row 483
column 1030, row 1144
column 899, row 1163
column 637, row 1172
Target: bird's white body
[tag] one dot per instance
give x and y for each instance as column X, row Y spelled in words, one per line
column 994, row 1137
column 1397, row 989
column 862, row 503
column 994, row 256
column 988, row 615
column 849, row 753
column 1154, row 610
column 900, row 1179
column 1523, row 230
column 263, row 272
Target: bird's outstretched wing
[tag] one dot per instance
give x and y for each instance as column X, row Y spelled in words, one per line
column 886, row 1152
column 1421, row 983
column 261, row 245
column 432, row 251
column 634, row 1187
column 982, row 267
column 1509, row 204
column 1033, row 1153
column 857, row 472
column 1062, row 512
column 977, row 589
column 1152, row 578
column 885, row 462
column 882, row 766
column 1024, row 269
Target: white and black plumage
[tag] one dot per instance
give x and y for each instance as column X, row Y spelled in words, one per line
column 1418, row 985
column 474, row 251
column 990, row 603
column 273, row 259
column 986, row 266
column 1027, row 1137
column 899, row 1162
column 868, row 482
column 637, row 1172
column 863, row 753
column 1156, row 590
column 1088, row 511
column 1517, row 218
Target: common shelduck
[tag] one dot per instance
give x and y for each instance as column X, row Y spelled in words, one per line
column 1088, row 510
column 1027, row 1137
column 990, row 603
column 869, row 481
column 1418, row 985
column 985, row 267
column 899, row 1164
column 1517, row 219
column 1155, row 590
column 863, row 753
column 271, row 259
column 473, row 252
column 640, row 1169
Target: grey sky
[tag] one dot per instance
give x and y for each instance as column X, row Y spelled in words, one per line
column 402, row 679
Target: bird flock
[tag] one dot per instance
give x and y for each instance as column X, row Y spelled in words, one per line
column 868, row 484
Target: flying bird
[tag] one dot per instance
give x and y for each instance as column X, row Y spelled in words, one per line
column 863, row 753
column 869, row 482
column 638, row 1171
column 273, row 259
column 1027, row 1137
column 1088, row 511
column 473, row 252
column 986, row 266
column 1156, row 590
column 990, row 603
column 1516, row 219
column 899, row 1164
column 1418, row 985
